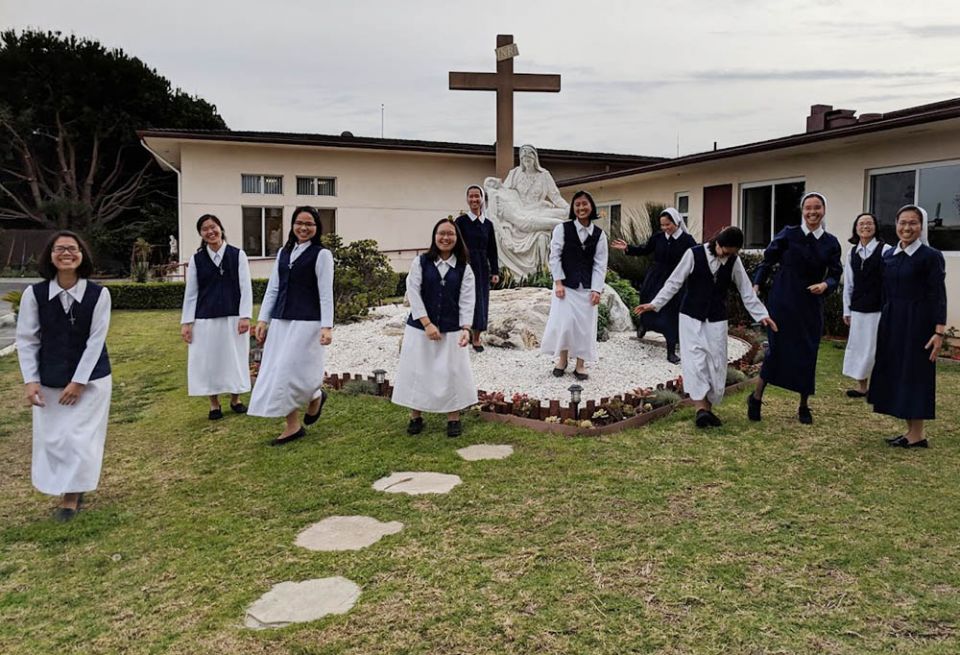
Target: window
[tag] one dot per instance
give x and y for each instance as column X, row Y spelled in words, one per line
column 316, row 186
column 768, row 207
column 682, row 203
column 328, row 220
column 609, row 220
column 271, row 184
column 935, row 187
column 262, row 231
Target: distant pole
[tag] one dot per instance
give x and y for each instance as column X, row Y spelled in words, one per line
column 678, row 143
column 381, row 120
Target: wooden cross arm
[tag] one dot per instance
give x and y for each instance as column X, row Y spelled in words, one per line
column 488, row 82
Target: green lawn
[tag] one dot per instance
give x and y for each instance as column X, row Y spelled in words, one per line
column 769, row 538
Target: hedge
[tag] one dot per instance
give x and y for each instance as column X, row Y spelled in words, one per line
column 160, row 295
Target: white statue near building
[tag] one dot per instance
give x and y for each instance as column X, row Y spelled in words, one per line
column 525, row 208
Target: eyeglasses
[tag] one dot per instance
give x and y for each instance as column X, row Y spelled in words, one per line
column 303, row 224
column 73, row 250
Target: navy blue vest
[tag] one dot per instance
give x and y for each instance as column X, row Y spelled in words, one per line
column 62, row 342
column 576, row 258
column 441, row 296
column 218, row 286
column 867, row 281
column 297, row 296
column 706, row 296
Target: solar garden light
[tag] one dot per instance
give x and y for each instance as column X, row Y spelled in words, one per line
column 575, row 390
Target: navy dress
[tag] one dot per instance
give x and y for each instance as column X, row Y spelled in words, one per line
column 803, row 259
column 481, row 243
column 904, row 380
column 666, row 255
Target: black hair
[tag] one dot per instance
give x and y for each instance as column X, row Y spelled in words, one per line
column 459, row 248
column 912, row 208
column 203, row 219
column 855, row 239
column 593, row 206
column 728, row 237
column 292, row 239
column 45, row 265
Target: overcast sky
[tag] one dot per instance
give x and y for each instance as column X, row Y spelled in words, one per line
column 635, row 75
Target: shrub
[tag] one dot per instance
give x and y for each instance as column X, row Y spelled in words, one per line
column 734, row 376
column 13, row 297
column 663, row 397
column 363, row 276
column 510, row 280
column 603, row 322
column 629, row 295
column 401, row 288
column 360, row 388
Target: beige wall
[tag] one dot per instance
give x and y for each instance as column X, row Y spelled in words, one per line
column 392, row 197
column 838, row 169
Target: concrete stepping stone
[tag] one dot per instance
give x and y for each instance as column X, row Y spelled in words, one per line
column 416, row 483
column 345, row 533
column 485, row 451
column 299, row 602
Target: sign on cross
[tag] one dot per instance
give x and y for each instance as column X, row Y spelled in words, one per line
column 505, row 82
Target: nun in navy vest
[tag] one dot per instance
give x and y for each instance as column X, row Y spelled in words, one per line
column 668, row 246
column 481, row 242
column 706, row 272
column 434, row 373
column 61, row 334
column 215, row 322
column 913, row 318
column 862, row 281
column 810, row 269
column 296, row 324
column 578, row 263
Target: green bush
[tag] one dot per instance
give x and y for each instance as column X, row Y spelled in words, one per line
column 663, row 397
column 510, row 280
column 360, row 388
column 629, row 295
column 363, row 276
column 603, row 322
column 734, row 376
column 401, row 288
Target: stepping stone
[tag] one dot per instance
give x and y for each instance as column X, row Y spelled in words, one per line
column 298, row 602
column 415, row 483
column 485, row 451
column 346, row 533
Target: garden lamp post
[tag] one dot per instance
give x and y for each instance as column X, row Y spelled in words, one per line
column 575, row 391
column 379, row 376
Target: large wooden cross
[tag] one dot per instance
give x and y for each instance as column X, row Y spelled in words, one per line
column 504, row 82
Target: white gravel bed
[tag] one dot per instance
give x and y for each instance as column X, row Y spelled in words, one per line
column 625, row 363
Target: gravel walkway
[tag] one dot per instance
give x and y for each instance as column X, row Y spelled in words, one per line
column 624, row 362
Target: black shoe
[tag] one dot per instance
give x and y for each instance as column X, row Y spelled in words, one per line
column 753, row 407
column 673, row 358
column 715, row 420
column 580, row 376
column 803, row 413
column 239, row 408
column 641, row 333
column 895, row 439
column 903, row 443
column 703, row 419
column 280, row 441
column 454, row 429
column 64, row 514
column 856, row 393
column 558, row 372
column 310, row 419
column 478, row 349
column 215, row 414
column 415, row 426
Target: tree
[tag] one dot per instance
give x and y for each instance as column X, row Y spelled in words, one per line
column 69, row 153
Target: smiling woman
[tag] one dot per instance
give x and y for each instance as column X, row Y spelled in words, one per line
column 61, row 332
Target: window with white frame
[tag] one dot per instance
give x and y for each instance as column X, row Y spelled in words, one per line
column 609, row 219
column 262, row 231
column 316, row 186
column 265, row 184
column 935, row 187
column 768, row 207
column 681, row 201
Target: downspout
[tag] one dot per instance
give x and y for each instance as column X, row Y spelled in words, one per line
column 179, row 194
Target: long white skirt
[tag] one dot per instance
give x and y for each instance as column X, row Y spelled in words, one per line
column 291, row 370
column 433, row 376
column 68, row 439
column 218, row 359
column 861, row 349
column 571, row 326
column 703, row 358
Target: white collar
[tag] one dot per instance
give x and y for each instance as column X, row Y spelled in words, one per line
column 480, row 218
column 301, row 246
column 212, row 252
column 806, row 230
column 912, row 248
column 77, row 290
column 676, row 233
column 869, row 248
column 712, row 258
column 451, row 261
column 588, row 228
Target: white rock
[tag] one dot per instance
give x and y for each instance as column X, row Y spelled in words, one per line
column 298, row 602
column 345, row 533
column 620, row 320
column 485, row 451
column 417, row 482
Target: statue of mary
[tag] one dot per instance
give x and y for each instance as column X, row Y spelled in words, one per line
column 525, row 208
